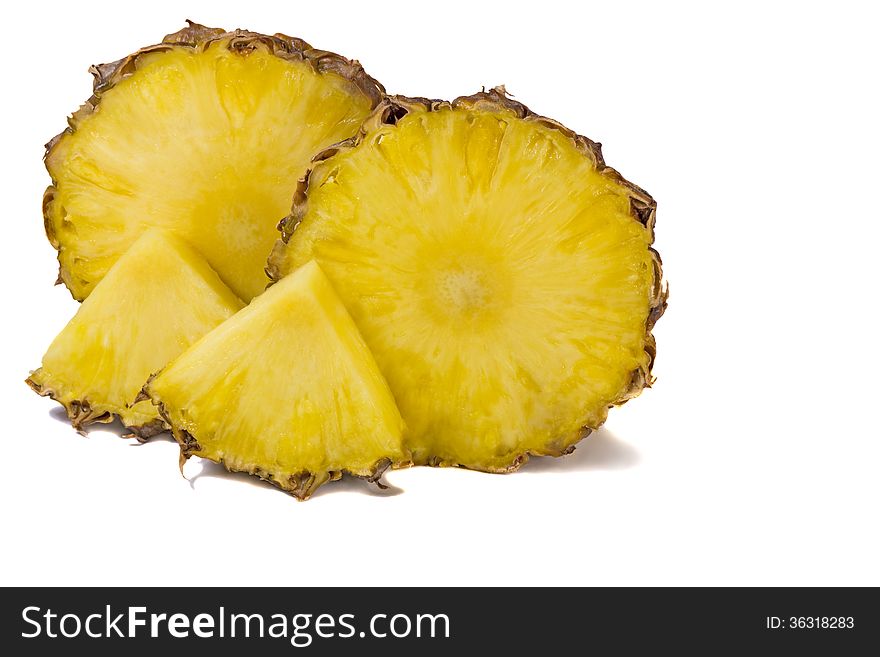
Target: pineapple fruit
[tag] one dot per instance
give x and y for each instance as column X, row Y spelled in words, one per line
column 458, row 283
column 159, row 298
column 286, row 390
column 501, row 274
column 205, row 134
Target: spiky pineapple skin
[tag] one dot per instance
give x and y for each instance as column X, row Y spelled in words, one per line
column 81, row 414
column 301, row 485
column 642, row 209
column 194, row 37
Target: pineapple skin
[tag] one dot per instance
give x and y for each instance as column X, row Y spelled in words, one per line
column 643, row 210
column 194, row 37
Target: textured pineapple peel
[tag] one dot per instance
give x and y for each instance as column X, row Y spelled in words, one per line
column 501, row 274
column 124, row 332
column 205, row 134
column 286, row 389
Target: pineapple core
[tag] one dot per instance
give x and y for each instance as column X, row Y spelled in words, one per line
column 498, row 276
column 208, row 142
column 286, row 390
column 159, row 298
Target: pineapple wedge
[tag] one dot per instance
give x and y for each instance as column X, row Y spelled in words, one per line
column 286, row 390
column 205, row 134
column 159, row 298
column 501, row 274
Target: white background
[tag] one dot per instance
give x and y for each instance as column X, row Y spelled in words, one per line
column 755, row 458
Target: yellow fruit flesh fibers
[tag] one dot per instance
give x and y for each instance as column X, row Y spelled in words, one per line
column 159, row 298
column 500, row 280
column 285, row 387
column 208, row 144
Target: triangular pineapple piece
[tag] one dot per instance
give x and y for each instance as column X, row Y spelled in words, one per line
column 286, row 390
column 159, row 298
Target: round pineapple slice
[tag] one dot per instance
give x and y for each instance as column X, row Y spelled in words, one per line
column 206, row 135
column 501, row 274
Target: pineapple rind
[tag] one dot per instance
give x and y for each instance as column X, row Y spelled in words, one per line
column 641, row 208
column 79, row 270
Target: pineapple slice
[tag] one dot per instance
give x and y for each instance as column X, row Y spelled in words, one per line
column 501, row 274
column 286, row 390
column 205, row 134
column 159, row 298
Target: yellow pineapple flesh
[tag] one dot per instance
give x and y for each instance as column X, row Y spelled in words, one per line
column 205, row 135
column 502, row 276
column 286, row 390
column 158, row 299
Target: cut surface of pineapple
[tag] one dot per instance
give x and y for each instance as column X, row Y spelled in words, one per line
column 286, row 390
column 205, row 134
column 501, row 274
column 159, row 298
